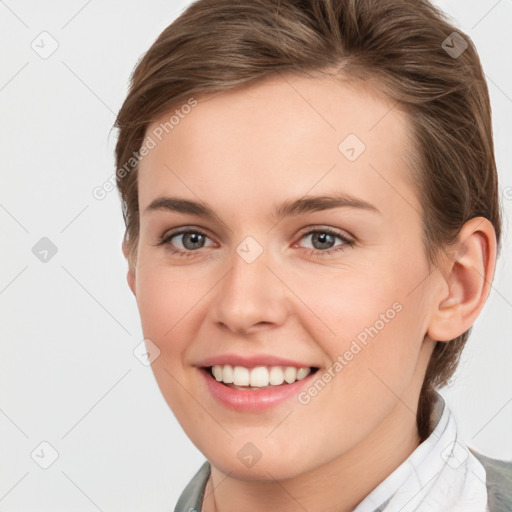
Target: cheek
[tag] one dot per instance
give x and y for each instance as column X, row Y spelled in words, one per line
column 374, row 351
column 167, row 305
column 369, row 321
column 371, row 368
column 342, row 302
column 164, row 301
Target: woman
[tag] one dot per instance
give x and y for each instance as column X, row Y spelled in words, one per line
column 312, row 225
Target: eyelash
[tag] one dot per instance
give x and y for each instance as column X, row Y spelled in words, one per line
column 314, row 252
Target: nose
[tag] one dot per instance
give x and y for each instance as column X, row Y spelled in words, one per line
column 251, row 296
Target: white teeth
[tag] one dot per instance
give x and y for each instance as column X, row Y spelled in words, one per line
column 303, row 372
column 259, row 376
column 217, row 372
column 228, row 375
column 240, row 376
column 290, row 374
column 276, row 376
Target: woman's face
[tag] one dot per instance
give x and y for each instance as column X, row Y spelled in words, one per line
column 311, row 256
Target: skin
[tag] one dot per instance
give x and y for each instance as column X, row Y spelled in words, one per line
column 242, row 152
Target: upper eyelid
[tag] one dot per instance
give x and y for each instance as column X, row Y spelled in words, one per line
column 184, row 231
column 343, row 234
column 337, row 231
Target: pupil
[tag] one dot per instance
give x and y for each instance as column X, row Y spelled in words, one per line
column 195, row 239
column 324, row 238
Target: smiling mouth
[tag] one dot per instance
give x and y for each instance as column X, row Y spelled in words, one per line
column 259, row 377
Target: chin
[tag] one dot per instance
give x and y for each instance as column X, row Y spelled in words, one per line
column 273, row 466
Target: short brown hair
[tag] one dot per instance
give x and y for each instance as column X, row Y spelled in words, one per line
column 402, row 46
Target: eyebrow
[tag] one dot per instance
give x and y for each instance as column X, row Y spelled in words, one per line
column 306, row 204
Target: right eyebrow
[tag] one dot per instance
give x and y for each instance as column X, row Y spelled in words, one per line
column 178, row 205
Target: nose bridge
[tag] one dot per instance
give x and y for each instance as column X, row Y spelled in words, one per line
column 250, row 294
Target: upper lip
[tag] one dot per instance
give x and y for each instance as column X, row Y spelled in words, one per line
column 251, row 361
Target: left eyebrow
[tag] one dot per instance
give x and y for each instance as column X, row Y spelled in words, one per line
column 288, row 208
column 319, row 203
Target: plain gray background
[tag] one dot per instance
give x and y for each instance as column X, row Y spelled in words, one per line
column 69, row 325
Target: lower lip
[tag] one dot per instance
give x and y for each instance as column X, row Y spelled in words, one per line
column 252, row 400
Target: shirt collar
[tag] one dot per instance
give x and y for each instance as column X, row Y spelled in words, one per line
column 441, row 474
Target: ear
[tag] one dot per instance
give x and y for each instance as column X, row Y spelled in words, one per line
column 468, row 274
column 130, row 276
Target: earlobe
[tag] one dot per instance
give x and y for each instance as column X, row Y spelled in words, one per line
column 468, row 276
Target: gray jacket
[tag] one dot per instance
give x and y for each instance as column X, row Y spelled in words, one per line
column 499, row 486
column 499, row 482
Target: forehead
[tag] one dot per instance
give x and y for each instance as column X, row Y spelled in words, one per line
column 281, row 137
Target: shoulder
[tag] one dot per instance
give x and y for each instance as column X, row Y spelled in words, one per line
column 499, row 482
column 191, row 499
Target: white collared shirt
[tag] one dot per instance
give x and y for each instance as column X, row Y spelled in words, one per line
column 440, row 475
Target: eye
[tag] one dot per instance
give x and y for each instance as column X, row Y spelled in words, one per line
column 323, row 241
column 187, row 242
column 184, row 242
